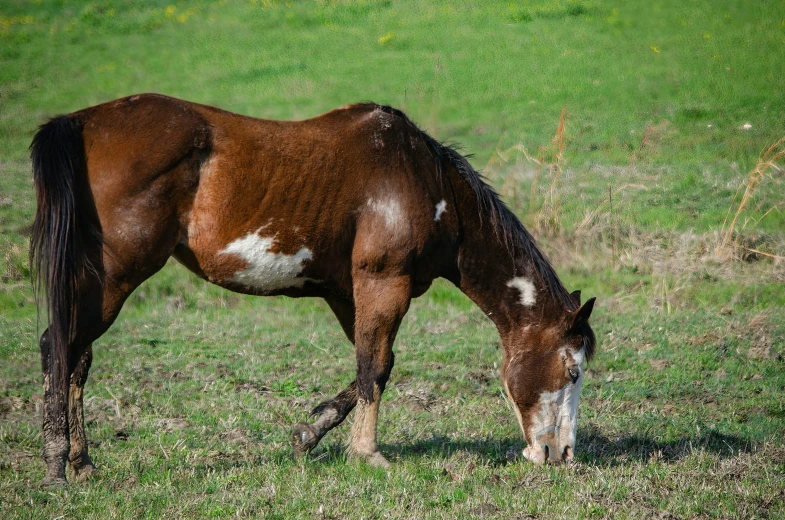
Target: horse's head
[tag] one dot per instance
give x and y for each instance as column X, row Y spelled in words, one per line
column 543, row 374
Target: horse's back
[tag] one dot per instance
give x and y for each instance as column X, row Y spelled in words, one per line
column 290, row 207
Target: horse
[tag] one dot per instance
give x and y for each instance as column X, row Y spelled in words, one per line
column 357, row 206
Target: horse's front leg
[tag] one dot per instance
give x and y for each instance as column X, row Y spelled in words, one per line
column 329, row 414
column 380, row 303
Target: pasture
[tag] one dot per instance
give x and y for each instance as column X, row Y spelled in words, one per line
column 632, row 192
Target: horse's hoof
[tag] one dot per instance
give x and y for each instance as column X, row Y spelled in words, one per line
column 375, row 459
column 53, row 482
column 85, row 472
column 304, row 439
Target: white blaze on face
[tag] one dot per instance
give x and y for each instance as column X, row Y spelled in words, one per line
column 440, row 208
column 267, row 271
column 526, row 288
column 389, row 209
column 555, row 422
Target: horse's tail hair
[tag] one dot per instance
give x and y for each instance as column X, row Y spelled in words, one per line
column 65, row 242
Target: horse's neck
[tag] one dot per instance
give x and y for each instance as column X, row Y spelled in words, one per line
column 504, row 285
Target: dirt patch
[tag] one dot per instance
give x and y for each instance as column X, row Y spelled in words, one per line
column 235, row 436
column 659, row 364
column 419, row 399
column 760, row 334
column 484, row 510
column 169, row 425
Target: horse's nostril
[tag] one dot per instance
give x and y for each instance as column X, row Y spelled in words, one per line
column 567, row 455
column 546, row 453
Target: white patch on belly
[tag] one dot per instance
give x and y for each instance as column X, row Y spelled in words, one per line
column 527, row 289
column 267, row 271
column 389, row 209
column 440, row 208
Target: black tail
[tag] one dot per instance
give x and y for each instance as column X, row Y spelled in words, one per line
column 66, row 239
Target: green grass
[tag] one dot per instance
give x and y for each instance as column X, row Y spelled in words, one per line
column 194, row 391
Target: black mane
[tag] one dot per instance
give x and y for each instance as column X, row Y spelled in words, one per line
column 503, row 222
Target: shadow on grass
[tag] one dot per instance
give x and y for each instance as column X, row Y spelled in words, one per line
column 596, row 448
column 593, row 448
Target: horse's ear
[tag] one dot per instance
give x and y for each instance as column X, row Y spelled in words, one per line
column 576, row 297
column 582, row 315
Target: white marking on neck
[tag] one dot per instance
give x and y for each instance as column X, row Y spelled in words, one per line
column 266, row 270
column 440, row 208
column 388, row 208
column 527, row 289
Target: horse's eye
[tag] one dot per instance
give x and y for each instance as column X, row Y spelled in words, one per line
column 575, row 373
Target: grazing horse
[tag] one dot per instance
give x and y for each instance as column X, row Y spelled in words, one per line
column 357, row 206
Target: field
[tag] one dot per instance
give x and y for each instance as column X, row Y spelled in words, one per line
column 667, row 109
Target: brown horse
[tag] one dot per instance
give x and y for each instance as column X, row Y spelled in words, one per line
column 357, row 206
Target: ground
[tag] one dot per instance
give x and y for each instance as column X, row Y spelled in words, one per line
column 194, row 391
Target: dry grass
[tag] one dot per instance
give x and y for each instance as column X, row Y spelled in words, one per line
column 548, row 161
column 766, row 167
column 547, row 219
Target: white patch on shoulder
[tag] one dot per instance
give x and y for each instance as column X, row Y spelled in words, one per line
column 527, row 289
column 267, row 271
column 389, row 209
column 440, row 208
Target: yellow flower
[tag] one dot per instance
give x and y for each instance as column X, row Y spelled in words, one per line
column 655, row 49
column 386, row 38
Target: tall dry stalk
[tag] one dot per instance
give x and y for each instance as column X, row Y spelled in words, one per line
column 548, row 217
column 766, row 166
column 549, row 158
column 593, row 219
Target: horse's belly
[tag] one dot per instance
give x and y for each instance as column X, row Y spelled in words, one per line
column 267, row 269
column 252, row 264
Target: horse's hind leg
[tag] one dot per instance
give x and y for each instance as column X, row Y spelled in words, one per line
column 55, row 427
column 331, row 412
column 78, row 458
column 64, row 438
column 63, row 435
column 97, row 307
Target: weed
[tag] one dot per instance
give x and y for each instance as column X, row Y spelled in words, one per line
column 766, row 167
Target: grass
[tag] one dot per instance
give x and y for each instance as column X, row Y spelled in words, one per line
column 194, row 391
